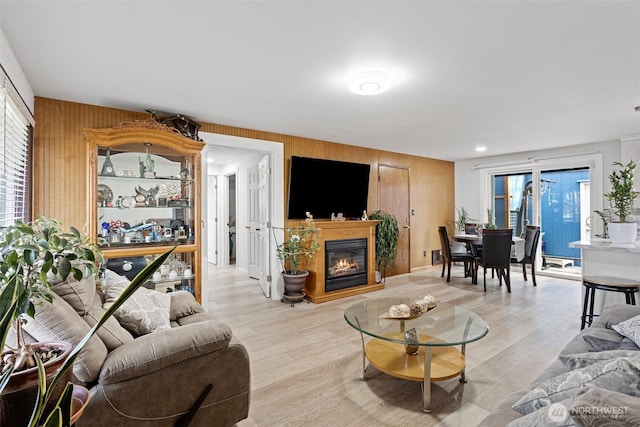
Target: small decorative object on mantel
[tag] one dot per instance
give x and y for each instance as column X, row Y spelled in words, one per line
column 364, row 216
column 338, row 217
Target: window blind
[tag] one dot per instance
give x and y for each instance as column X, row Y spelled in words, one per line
column 15, row 145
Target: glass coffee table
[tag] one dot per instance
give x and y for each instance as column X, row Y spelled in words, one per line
column 431, row 353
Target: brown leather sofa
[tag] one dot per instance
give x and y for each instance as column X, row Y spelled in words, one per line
column 154, row 379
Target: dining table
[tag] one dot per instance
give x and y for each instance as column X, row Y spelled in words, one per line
column 474, row 242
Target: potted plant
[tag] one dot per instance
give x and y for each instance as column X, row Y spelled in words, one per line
column 32, row 257
column 463, row 218
column 295, row 253
column 491, row 221
column 621, row 199
column 386, row 241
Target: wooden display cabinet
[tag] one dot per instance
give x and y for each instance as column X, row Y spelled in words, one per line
column 145, row 195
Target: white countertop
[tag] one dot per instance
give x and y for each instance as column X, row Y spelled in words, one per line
column 605, row 245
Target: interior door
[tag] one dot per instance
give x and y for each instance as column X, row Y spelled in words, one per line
column 264, row 223
column 212, row 219
column 259, row 208
column 254, row 222
column 393, row 198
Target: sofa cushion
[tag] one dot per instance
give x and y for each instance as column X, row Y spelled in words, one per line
column 60, row 322
column 601, row 344
column 621, row 374
column 630, row 328
column 612, row 314
column 183, row 304
column 554, row 415
column 577, row 361
column 154, row 352
column 86, row 301
column 144, row 312
column 78, row 294
column 112, row 334
column 593, row 406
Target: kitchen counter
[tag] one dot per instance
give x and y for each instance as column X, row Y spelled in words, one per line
column 600, row 257
column 605, row 245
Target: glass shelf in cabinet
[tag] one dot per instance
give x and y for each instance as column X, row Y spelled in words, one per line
column 137, row 178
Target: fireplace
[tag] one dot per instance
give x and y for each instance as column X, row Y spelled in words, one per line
column 345, row 263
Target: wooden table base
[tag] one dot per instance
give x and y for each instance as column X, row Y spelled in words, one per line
column 431, row 363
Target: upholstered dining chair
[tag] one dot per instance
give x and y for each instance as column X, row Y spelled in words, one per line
column 496, row 254
column 448, row 256
column 531, row 237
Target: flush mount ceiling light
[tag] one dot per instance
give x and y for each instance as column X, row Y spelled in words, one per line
column 369, row 83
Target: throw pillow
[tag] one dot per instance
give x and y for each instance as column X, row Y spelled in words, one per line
column 629, row 328
column 601, row 344
column 594, row 406
column 580, row 360
column 144, row 312
column 555, row 415
column 620, row 374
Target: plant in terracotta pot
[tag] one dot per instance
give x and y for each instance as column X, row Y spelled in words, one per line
column 387, row 233
column 295, row 253
column 621, row 199
column 32, row 257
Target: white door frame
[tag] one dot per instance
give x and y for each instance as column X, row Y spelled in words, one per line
column 277, row 214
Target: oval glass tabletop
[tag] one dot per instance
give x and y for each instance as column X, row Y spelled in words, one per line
column 444, row 325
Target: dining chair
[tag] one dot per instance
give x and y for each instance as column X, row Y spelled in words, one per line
column 448, row 256
column 531, row 237
column 496, row 254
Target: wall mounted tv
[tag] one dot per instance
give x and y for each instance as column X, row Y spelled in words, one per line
column 323, row 187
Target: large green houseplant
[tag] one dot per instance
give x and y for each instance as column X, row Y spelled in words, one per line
column 32, row 256
column 621, row 199
column 387, row 233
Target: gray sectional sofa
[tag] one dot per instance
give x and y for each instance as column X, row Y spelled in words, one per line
column 594, row 382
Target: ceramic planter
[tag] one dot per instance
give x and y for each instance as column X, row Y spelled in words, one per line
column 18, row 397
column 623, row 232
column 294, row 283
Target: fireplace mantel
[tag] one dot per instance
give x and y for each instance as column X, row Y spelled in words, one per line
column 340, row 230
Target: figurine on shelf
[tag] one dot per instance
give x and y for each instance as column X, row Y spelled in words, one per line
column 147, row 167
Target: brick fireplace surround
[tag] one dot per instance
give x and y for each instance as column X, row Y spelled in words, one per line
column 341, row 230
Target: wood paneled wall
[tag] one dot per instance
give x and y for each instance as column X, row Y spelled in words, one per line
column 61, row 176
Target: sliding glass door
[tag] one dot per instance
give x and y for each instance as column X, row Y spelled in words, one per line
column 556, row 199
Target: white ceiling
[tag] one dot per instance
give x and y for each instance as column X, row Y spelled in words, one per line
column 510, row 75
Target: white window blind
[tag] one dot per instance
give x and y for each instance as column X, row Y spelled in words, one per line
column 15, row 137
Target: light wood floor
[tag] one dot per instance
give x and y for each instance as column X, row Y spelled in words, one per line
column 306, row 361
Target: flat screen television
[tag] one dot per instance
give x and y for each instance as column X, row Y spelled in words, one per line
column 322, row 187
